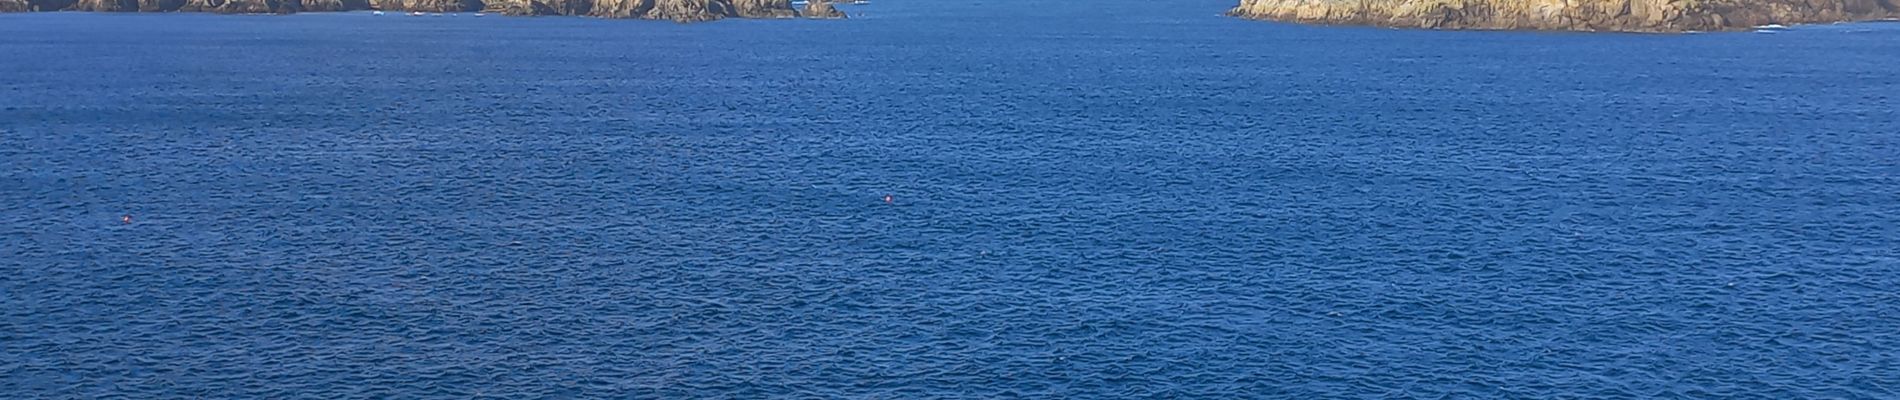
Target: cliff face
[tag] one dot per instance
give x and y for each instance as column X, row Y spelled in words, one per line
column 1568, row 15
column 15, row 6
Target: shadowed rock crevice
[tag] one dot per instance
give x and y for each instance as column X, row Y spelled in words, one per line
column 1567, row 15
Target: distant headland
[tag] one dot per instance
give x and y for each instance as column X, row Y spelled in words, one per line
column 675, row 10
column 1569, row 15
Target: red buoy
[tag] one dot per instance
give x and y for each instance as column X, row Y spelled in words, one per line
column 127, row 219
column 887, row 199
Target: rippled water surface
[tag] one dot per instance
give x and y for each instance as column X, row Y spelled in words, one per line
column 1091, row 199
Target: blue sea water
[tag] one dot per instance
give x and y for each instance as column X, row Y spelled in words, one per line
column 1091, row 199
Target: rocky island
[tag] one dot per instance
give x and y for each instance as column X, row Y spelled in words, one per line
column 1569, row 15
column 675, row 10
column 822, row 9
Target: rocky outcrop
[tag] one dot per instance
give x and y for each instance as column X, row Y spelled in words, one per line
column 691, row 10
column 517, row 7
column 1568, row 15
column 15, row 6
column 821, row 9
column 334, row 5
column 98, row 5
column 675, row 10
column 242, row 6
column 764, row 8
column 48, row 5
column 104, row 5
column 539, row 7
column 160, row 5
column 437, row 6
column 620, row 8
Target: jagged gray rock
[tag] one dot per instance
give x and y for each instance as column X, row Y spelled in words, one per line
column 48, row 5
column 517, row 7
column 160, row 5
column 104, row 5
column 619, row 8
column 242, row 6
column 15, row 6
column 821, row 9
column 334, row 5
column 1568, row 15
column 691, row 10
column 676, row 10
column 539, row 7
column 764, row 8
column 439, row 6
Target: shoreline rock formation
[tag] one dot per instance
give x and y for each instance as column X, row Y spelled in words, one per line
column 104, row 5
column 334, row 5
column 242, row 6
column 822, row 9
column 48, row 5
column 766, row 9
column 437, row 6
column 160, row 5
column 675, row 10
column 1658, row 16
column 688, row 10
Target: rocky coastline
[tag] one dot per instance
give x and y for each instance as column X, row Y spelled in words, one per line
column 1656, row 16
column 822, row 9
column 675, row 10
